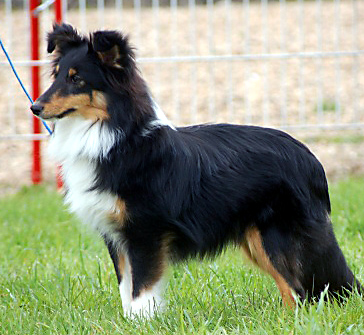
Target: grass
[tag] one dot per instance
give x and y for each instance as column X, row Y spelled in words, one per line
column 328, row 105
column 336, row 139
column 56, row 278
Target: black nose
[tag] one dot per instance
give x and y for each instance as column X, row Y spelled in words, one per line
column 36, row 109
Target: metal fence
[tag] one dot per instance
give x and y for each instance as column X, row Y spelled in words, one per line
column 288, row 64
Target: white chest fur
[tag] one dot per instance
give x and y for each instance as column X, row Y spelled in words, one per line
column 91, row 206
column 76, row 144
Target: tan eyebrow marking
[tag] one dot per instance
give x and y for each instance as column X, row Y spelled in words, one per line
column 72, row 72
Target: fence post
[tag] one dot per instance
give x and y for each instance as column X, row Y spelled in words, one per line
column 58, row 19
column 34, row 50
column 58, row 11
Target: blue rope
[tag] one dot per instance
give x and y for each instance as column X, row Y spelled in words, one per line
column 21, row 84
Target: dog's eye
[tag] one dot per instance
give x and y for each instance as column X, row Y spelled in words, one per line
column 76, row 79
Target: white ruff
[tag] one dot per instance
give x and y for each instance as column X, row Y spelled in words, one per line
column 76, row 137
column 159, row 121
column 161, row 117
column 76, row 143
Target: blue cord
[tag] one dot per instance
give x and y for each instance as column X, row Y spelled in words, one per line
column 21, row 84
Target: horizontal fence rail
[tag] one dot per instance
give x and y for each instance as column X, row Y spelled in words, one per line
column 216, row 58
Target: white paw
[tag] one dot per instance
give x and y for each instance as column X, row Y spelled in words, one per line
column 145, row 306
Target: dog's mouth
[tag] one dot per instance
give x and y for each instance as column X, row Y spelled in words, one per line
column 66, row 112
column 39, row 112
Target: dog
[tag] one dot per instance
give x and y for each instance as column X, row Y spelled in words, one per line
column 159, row 194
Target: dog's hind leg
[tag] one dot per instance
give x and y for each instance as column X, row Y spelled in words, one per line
column 254, row 246
column 308, row 260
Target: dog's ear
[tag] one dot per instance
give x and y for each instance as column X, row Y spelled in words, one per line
column 63, row 37
column 113, row 49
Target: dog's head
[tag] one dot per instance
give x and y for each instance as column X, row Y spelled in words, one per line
column 86, row 71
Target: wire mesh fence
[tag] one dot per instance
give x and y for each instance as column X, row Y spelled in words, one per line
column 287, row 64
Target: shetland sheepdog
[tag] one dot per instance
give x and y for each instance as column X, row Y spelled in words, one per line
column 159, row 194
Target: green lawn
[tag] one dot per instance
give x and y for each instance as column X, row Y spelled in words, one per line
column 56, row 278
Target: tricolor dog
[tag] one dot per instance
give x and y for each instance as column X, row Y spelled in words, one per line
column 159, row 194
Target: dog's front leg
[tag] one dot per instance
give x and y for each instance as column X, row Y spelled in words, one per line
column 140, row 266
column 146, row 262
column 123, row 272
